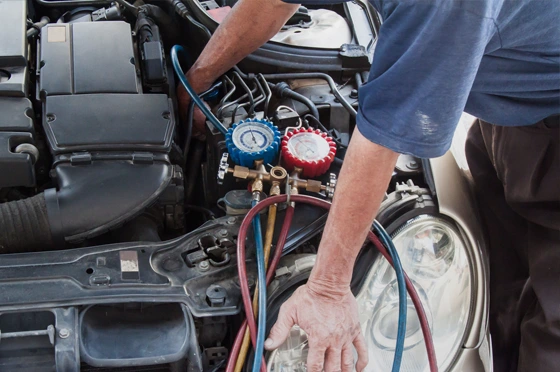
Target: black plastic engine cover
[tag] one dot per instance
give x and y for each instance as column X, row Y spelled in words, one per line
column 87, row 57
column 13, row 48
column 141, row 122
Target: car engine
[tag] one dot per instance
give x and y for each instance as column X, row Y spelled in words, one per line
column 119, row 221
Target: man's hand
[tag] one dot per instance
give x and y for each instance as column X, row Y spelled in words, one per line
column 330, row 318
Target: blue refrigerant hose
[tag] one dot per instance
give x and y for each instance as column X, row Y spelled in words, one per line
column 401, row 331
column 261, row 274
column 175, row 51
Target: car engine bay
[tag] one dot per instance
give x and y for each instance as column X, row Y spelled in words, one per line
column 118, row 221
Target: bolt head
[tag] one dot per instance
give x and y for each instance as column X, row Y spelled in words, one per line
column 203, row 266
column 223, row 233
column 412, row 165
column 64, row 333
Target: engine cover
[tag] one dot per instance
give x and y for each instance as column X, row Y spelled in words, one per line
column 109, row 140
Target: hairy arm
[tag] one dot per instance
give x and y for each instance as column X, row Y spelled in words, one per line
column 249, row 25
column 363, row 181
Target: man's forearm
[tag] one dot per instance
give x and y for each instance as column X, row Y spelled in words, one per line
column 362, row 183
column 249, row 25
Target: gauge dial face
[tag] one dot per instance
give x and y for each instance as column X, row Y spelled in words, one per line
column 308, row 146
column 252, row 137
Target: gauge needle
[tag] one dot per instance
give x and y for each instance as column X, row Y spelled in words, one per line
column 252, row 135
column 308, row 148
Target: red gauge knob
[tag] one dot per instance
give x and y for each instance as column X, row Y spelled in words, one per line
column 308, row 149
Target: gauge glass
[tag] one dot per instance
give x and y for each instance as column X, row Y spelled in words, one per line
column 308, row 146
column 252, row 137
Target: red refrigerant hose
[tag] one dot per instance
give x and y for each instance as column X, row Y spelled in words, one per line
column 242, row 269
column 269, row 275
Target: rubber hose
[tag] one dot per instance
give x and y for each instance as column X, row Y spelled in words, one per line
column 24, row 226
column 282, row 238
column 308, row 75
column 37, row 26
column 195, row 97
column 267, row 245
column 403, row 303
column 242, row 269
column 283, row 90
column 261, row 285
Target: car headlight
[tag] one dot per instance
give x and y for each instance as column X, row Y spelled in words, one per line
column 435, row 258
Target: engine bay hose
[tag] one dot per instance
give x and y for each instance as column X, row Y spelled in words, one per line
column 24, row 226
column 283, row 90
column 282, row 238
column 271, row 221
column 401, row 330
column 261, row 285
column 242, row 270
column 175, row 51
column 309, row 75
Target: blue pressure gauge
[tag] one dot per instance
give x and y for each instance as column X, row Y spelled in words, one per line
column 253, row 139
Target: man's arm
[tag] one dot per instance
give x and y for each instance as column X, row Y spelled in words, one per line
column 250, row 24
column 325, row 307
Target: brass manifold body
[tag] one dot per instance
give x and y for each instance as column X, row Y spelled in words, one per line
column 277, row 176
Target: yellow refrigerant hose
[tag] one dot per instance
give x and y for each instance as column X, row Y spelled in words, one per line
column 267, row 246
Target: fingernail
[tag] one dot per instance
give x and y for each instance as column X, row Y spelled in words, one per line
column 268, row 342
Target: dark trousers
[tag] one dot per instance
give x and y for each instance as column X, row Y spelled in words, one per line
column 516, row 171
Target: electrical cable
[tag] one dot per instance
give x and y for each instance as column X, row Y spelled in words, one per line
column 197, row 100
column 207, row 212
column 267, row 246
column 271, row 272
column 403, row 302
column 261, row 285
column 242, row 269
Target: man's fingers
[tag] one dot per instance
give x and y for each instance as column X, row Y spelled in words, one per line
column 361, row 348
column 281, row 328
column 347, row 359
column 333, row 360
column 315, row 357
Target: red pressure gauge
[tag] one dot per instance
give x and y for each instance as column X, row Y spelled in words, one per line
column 308, row 149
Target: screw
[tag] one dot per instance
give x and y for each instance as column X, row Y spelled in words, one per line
column 354, row 94
column 223, row 233
column 203, row 266
column 231, row 220
column 64, row 333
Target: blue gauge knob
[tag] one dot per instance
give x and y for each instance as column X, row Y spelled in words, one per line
column 253, row 139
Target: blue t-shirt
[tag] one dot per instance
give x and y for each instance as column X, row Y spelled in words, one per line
column 498, row 60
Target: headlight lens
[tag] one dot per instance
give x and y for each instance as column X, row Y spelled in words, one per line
column 435, row 258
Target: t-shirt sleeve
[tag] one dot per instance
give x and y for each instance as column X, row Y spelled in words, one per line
column 424, row 65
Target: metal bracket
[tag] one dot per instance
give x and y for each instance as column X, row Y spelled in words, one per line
column 223, row 168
